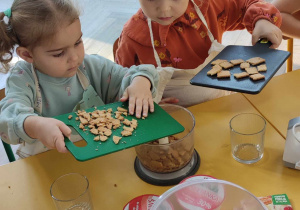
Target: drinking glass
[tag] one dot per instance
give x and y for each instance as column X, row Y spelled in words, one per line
column 247, row 131
column 71, row 192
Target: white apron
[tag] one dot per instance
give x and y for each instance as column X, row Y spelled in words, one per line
column 176, row 82
column 26, row 149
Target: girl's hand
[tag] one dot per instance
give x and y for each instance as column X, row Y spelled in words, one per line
column 265, row 29
column 140, row 97
column 49, row 131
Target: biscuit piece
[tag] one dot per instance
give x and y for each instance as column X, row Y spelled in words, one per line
column 262, row 67
column 237, row 61
column 256, row 60
column 218, row 61
column 257, row 76
column 226, row 65
column 215, row 69
column 223, row 74
column 241, row 75
column 116, row 139
column 251, row 70
column 244, row 65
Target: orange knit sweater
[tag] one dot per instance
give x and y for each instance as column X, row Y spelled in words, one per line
column 184, row 43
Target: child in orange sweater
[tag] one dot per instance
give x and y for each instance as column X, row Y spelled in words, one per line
column 177, row 36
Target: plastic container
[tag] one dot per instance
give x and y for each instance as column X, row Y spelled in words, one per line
column 208, row 194
column 144, row 202
column 197, row 177
column 172, row 156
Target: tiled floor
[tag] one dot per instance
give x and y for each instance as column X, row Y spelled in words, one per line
column 102, row 22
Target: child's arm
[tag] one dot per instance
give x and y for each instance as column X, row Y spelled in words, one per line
column 16, row 107
column 49, row 131
column 19, row 122
column 290, row 17
column 250, row 14
column 111, row 80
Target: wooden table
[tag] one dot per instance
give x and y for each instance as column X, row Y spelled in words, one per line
column 25, row 183
column 279, row 101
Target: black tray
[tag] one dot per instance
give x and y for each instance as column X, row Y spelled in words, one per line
column 274, row 60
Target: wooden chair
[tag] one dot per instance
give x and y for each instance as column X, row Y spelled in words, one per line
column 7, row 147
column 289, row 63
column 115, row 47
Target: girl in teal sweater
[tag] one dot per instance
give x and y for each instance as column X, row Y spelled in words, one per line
column 56, row 76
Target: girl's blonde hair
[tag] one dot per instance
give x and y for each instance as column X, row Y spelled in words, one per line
column 30, row 23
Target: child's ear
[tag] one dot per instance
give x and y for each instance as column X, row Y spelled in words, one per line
column 25, row 54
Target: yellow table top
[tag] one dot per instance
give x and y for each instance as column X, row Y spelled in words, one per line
column 279, row 101
column 113, row 181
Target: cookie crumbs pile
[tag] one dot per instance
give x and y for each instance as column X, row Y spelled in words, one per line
column 101, row 123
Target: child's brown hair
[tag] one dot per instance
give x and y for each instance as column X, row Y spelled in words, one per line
column 30, row 23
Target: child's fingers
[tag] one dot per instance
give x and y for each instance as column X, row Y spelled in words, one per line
column 255, row 38
column 125, row 96
column 131, row 105
column 145, row 107
column 275, row 39
column 65, row 129
column 151, row 104
column 138, row 107
column 60, row 145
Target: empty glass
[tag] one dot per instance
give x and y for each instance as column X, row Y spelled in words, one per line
column 247, row 131
column 71, row 191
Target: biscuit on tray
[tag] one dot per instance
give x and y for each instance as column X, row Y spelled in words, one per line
column 223, row 74
column 226, row 65
column 257, row 76
column 244, row 65
column 237, row 61
column 215, row 69
column 218, row 61
column 262, row 67
column 256, row 60
column 251, row 70
column 241, row 75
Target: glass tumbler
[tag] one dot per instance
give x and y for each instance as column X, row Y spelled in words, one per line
column 247, row 131
column 71, row 191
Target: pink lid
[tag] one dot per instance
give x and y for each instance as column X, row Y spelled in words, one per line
column 200, row 196
column 142, row 202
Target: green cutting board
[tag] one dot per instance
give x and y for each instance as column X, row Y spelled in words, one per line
column 157, row 125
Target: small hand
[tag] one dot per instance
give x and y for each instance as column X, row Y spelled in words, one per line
column 265, row 29
column 140, row 97
column 49, row 131
column 170, row 100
